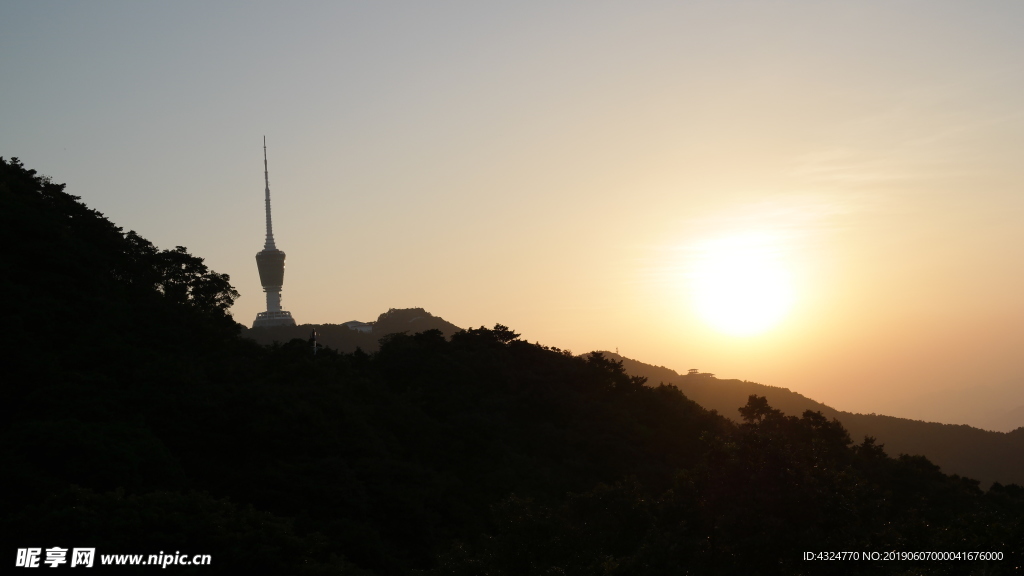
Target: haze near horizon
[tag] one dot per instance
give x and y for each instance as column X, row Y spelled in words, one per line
column 821, row 197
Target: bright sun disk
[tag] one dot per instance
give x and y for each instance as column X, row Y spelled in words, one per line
column 740, row 286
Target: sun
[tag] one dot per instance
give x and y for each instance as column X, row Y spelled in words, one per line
column 740, row 285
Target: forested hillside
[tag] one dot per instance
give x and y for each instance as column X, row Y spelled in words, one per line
column 137, row 421
column 984, row 455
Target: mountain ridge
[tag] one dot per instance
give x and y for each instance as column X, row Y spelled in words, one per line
column 985, row 455
column 345, row 339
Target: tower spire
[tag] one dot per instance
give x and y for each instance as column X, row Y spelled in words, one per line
column 269, row 244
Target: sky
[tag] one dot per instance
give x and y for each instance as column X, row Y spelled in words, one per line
column 595, row 175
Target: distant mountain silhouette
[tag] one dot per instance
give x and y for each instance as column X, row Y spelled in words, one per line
column 344, row 339
column 134, row 418
column 1011, row 419
column 959, row 449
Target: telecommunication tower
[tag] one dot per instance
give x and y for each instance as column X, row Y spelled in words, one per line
column 270, row 262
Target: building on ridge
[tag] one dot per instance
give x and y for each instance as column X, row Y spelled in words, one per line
column 270, row 262
column 364, row 327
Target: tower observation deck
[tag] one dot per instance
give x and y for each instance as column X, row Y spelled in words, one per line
column 270, row 262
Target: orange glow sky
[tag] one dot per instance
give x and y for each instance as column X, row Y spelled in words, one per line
column 559, row 167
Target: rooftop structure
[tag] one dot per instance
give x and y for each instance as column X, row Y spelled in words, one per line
column 364, row 327
column 270, row 262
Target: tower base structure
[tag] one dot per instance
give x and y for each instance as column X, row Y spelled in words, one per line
column 278, row 318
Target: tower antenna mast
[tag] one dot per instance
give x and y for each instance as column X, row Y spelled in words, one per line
column 269, row 244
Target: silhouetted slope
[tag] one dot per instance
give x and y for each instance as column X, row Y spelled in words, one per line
column 959, row 449
column 344, row 339
column 153, row 427
column 114, row 353
column 1009, row 420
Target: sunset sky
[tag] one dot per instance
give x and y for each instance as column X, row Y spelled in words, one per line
column 595, row 175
